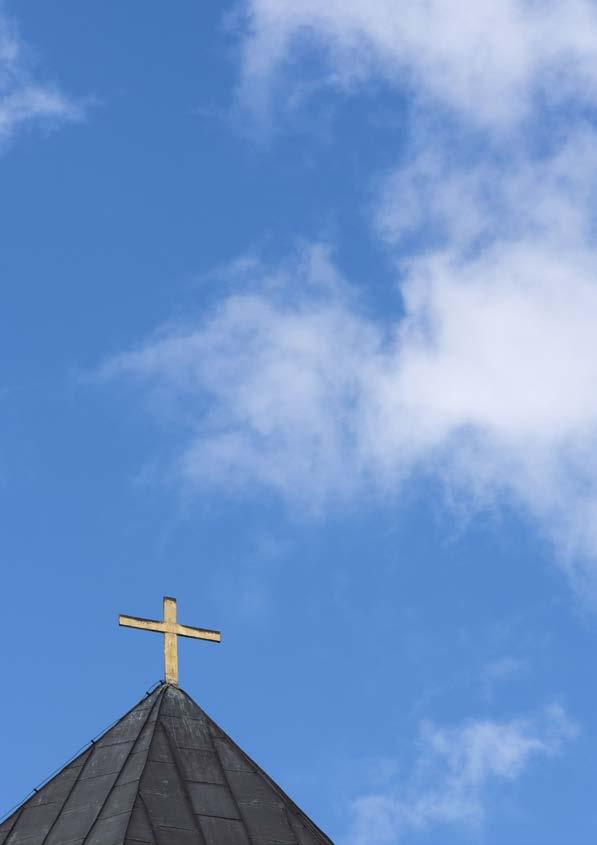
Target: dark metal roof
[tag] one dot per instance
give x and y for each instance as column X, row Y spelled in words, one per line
column 165, row 774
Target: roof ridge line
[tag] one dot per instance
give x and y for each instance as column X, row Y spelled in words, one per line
column 227, row 779
column 157, row 704
column 117, row 778
column 18, row 812
column 54, row 774
column 183, row 782
column 278, row 789
column 143, row 806
column 66, row 797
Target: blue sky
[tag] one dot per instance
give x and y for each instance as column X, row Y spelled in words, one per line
column 298, row 313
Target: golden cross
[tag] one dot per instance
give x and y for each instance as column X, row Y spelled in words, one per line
column 171, row 630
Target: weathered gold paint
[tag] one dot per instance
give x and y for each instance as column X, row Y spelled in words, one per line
column 170, row 642
column 171, row 630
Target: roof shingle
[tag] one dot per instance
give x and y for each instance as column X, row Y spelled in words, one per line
column 165, row 774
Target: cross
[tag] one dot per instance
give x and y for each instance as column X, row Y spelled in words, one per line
column 171, row 630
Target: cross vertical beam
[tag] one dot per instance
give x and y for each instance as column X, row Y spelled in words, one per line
column 172, row 631
column 170, row 642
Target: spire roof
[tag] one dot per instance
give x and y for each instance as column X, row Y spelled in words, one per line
column 165, row 774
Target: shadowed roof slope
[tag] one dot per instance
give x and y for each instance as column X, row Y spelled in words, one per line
column 165, row 774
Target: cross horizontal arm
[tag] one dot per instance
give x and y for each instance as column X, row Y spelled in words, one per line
column 198, row 633
column 144, row 624
column 171, row 630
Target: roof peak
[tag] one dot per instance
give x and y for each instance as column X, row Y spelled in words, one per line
column 163, row 774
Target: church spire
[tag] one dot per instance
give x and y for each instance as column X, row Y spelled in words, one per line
column 164, row 774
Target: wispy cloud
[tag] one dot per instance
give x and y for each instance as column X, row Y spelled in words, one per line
column 488, row 60
column 485, row 381
column 454, row 770
column 485, row 378
column 25, row 100
column 271, row 383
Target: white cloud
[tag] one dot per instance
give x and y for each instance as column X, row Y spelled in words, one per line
column 272, row 384
column 462, row 201
column 486, row 380
column 499, row 339
column 488, row 59
column 455, row 768
column 23, row 99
